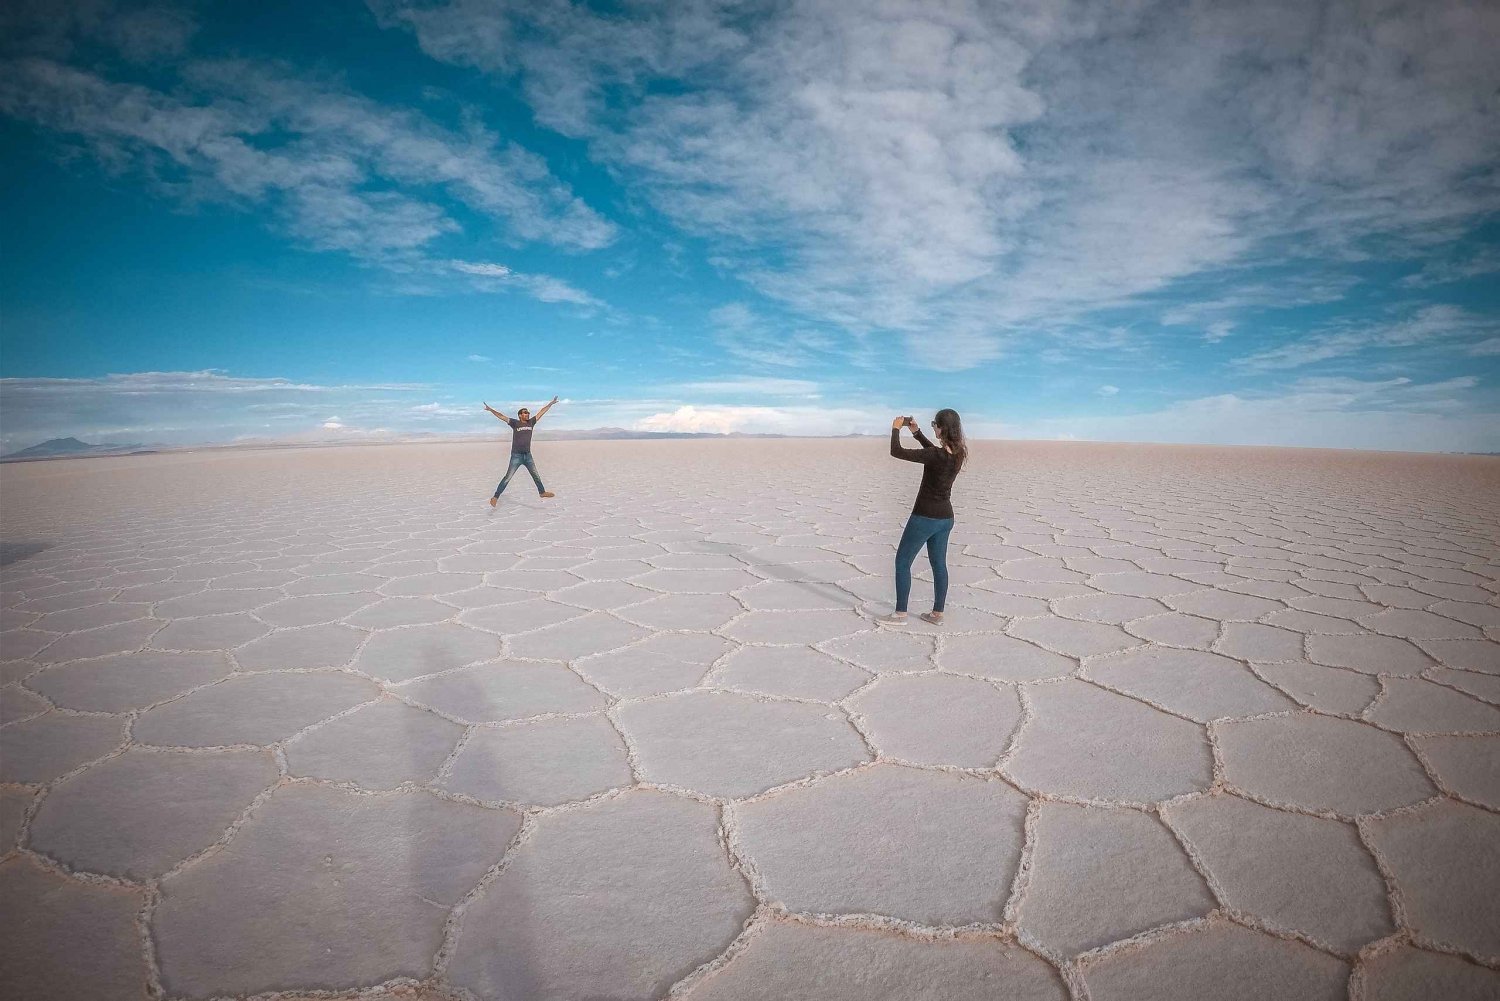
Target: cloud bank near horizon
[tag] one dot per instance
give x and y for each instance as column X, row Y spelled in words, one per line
column 187, row 408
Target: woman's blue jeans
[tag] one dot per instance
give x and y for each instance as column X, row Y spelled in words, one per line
column 933, row 533
column 517, row 460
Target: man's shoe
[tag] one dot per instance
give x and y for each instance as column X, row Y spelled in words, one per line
column 494, row 501
column 548, row 493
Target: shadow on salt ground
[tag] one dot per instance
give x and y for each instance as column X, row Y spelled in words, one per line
column 11, row 552
column 502, row 935
column 830, row 590
column 500, row 951
column 920, row 571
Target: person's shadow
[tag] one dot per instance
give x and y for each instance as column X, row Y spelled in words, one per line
column 11, row 552
column 789, row 574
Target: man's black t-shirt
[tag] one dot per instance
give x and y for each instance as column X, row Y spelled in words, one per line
column 520, row 439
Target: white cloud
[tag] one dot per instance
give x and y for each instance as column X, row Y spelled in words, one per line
column 1484, row 262
column 1108, row 390
column 751, row 386
column 747, row 336
column 202, row 382
column 742, row 334
column 481, row 269
column 492, row 277
column 332, row 424
column 324, row 161
column 981, row 170
column 183, row 407
column 1218, row 316
column 480, row 358
column 872, row 141
column 1394, row 414
column 797, row 420
column 1431, row 327
column 327, row 435
column 717, row 420
column 1218, row 330
column 427, row 413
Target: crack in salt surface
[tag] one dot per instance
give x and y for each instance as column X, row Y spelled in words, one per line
column 1163, row 525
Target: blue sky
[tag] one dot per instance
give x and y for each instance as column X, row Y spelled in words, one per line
column 1270, row 223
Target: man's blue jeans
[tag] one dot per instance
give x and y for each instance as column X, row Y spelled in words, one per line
column 933, row 533
column 517, row 460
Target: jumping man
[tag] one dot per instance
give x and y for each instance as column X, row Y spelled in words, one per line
column 521, row 426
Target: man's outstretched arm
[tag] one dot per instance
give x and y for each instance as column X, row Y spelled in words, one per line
column 498, row 415
column 542, row 412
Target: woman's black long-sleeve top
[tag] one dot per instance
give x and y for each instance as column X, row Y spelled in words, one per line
column 939, row 468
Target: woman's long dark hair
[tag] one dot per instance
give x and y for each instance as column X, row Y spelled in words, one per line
column 951, row 432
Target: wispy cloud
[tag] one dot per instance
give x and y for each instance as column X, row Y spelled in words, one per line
column 335, row 170
column 746, row 335
column 185, row 407
column 1431, row 327
column 1218, row 330
column 1485, row 262
column 869, row 145
column 203, row 382
column 987, row 170
column 444, row 412
column 492, row 277
column 1395, row 414
column 1219, row 315
column 751, row 386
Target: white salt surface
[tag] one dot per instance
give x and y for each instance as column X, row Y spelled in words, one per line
column 1202, row 721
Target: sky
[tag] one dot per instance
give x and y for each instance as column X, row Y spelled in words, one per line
column 1265, row 223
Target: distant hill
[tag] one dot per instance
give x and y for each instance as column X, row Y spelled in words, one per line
column 56, row 448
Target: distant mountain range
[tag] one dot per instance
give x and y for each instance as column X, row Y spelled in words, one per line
column 57, row 448
column 65, row 448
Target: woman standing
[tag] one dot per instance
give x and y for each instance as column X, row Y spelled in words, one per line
column 931, row 518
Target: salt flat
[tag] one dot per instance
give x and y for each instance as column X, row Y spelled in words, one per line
column 1203, row 722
